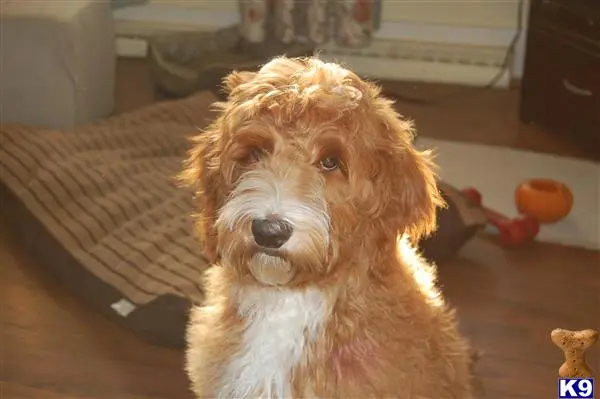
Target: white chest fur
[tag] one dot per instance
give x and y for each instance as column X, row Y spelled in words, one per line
column 279, row 324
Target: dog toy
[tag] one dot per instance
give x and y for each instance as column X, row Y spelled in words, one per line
column 574, row 344
column 458, row 222
column 546, row 200
column 514, row 231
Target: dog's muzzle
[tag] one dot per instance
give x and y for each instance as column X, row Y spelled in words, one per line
column 271, row 232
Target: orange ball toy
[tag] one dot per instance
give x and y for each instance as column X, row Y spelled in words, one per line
column 546, row 200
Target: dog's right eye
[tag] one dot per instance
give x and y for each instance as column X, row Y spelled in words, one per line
column 252, row 155
column 329, row 164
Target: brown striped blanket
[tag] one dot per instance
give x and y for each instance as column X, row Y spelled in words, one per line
column 99, row 206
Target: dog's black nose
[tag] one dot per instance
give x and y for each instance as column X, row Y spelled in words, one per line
column 271, row 232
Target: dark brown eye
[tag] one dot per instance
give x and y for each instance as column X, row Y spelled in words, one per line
column 253, row 155
column 329, row 164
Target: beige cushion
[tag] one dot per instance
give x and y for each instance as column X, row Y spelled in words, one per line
column 58, row 62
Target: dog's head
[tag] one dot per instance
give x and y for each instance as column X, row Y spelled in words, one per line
column 305, row 165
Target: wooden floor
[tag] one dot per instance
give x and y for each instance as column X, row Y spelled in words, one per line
column 52, row 346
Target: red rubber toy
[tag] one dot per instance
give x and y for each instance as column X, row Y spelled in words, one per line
column 513, row 232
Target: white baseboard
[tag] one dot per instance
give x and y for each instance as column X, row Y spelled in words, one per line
column 150, row 19
column 131, row 47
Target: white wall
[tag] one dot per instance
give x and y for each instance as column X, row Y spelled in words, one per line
column 483, row 13
column 484, row 22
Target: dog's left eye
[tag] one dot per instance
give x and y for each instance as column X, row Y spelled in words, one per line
column 329, row 164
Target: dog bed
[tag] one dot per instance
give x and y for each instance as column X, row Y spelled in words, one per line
column 98, row 207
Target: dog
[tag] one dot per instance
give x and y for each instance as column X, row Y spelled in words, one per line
column 311, row 196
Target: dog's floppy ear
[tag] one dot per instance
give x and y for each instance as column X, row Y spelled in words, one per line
column 201, row 172
column 409, row 181
column 236, row 78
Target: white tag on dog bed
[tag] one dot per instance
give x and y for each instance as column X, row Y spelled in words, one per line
column 123, row 307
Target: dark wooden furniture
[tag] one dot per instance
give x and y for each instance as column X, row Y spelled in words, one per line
column 561, row 82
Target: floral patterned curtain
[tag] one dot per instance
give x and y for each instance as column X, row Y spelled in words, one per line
column 350, row 23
